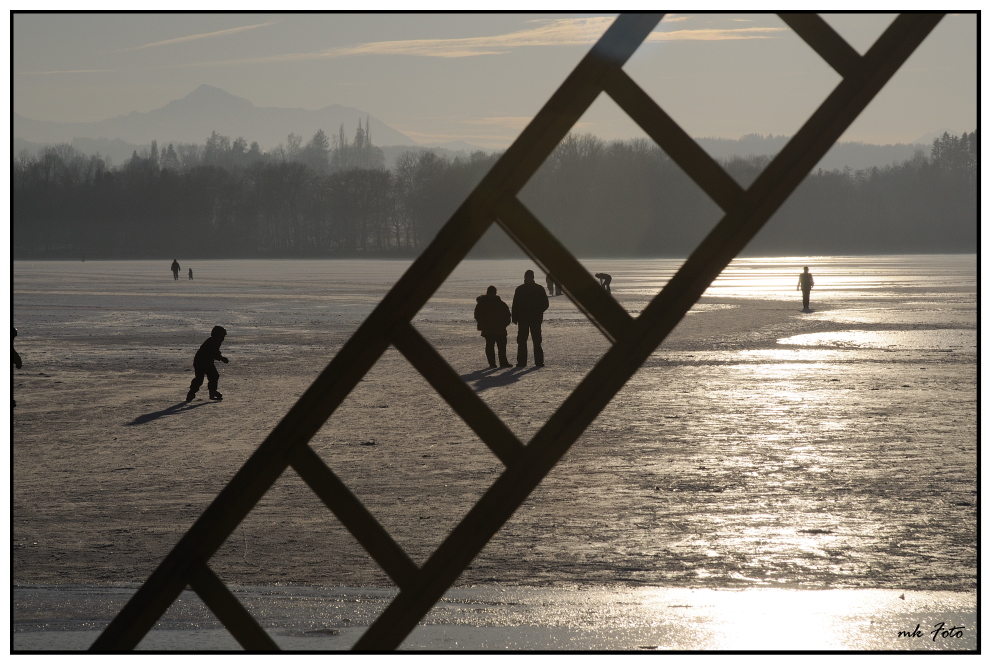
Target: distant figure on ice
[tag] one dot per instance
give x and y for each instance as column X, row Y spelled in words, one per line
column 16, row 359
column 528, row 305
column 203, row 365
column 493, row 319
column 605, row 280
column 549, row 284
column 175, row 269
column 805, row 284
column 190, row 274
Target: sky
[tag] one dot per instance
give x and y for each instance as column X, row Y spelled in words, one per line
column 479, row 78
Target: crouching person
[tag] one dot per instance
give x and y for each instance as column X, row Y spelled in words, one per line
column 203, row 365
column 493, row 318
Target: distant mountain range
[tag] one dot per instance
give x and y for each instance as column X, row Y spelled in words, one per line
column 207, row 109
column 856, row 156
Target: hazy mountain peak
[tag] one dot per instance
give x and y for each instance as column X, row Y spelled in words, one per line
column 207, row 109
column 208, row 96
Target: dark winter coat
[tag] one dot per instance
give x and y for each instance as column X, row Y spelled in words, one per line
column 208, row 353
column 529, row 303
column 492, row 315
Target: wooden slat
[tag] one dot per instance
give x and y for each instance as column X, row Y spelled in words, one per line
column 475, row 412
column 683, row 149
column 218, row 598
column 355, row 517
column 826, row 42
column 547, row 251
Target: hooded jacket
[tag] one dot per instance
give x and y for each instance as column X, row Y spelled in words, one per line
column 492, row 315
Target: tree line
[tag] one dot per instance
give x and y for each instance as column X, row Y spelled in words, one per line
column 332, row 197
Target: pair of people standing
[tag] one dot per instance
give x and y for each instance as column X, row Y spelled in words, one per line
column 175, row 269
column 493, row 316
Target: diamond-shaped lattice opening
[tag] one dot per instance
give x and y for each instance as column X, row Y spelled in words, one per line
column 625, row 198
column 751, row 73
column 406, row 456
column 523, row 397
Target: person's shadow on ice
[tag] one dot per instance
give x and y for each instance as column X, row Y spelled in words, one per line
column 181, row 407
column 484, row 379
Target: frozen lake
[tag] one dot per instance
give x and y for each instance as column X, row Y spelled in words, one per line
column 759, row 449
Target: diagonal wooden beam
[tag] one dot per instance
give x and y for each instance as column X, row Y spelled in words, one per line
column 509, row 491
column 355, row 517
column 547, row 251
column 826, row 42
column 218, row 598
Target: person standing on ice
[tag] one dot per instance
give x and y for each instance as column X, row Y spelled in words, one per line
column 203, row 365
column 528, row 304
column 190, row 274
column 549, row 285
column 16, row 359
column 175, row 269
column 805, row 284
column 493, row 319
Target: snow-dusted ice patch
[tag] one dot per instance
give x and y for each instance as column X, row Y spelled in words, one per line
column 954, row 340
column 927, row 313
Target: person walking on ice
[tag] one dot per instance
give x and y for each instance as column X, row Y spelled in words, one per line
column 493, row 319
column 805, row 284
column 190, row 274
column 175, row 269
column 203, row 365
column 528, row 304
column 549, row 284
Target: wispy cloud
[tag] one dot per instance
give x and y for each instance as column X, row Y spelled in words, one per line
column 63, row 71
column 556, row 32
column 202, row 35
column 715, row 34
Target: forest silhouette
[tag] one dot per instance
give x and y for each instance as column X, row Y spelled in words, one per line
column 333, row 197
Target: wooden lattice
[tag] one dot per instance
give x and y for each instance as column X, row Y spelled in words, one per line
column 495, row 200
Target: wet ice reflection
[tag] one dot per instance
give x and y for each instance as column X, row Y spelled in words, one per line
column 515, row 618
